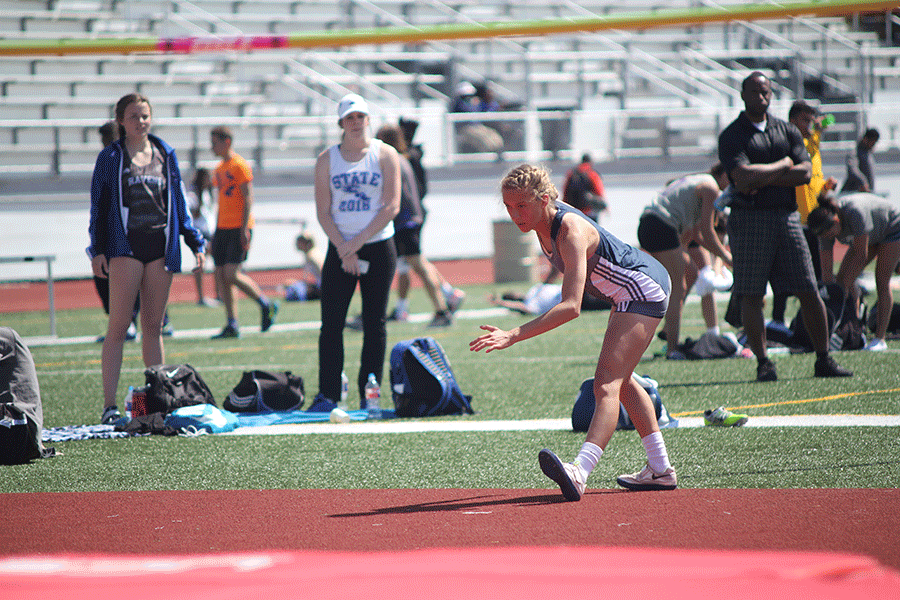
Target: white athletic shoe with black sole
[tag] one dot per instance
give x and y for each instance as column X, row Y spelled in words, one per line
column 569, row 477
column 648, row 479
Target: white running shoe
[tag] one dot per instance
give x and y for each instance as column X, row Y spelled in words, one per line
column 571, row 479
column 648, row 479
column 876, row 345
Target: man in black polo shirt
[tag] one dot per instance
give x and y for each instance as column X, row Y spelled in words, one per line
column 765, row 160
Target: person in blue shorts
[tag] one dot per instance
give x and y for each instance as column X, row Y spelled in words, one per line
column 594, row 262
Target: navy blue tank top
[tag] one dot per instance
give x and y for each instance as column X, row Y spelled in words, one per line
column 617, row 272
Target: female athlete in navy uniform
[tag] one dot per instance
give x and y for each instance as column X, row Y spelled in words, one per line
column 595, row 262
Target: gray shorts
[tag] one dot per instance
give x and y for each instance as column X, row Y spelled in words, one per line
column 768, row 246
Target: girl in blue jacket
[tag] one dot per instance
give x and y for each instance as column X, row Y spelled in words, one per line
column 138, row 211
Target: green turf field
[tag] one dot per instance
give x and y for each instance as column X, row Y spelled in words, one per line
column 535, row 379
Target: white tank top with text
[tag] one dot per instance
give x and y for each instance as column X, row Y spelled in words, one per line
column 356, row 190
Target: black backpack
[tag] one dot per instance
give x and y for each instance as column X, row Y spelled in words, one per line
column 20, row 437
column 173, row 386
column 893, row 320
column 847, row 329
column 264, row 391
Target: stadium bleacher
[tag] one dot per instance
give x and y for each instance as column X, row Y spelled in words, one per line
column 654, row 92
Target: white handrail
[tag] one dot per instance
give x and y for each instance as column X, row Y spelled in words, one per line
column 51, row 297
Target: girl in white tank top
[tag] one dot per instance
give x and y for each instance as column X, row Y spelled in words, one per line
column 356, row 189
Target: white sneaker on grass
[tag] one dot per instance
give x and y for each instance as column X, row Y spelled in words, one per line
column 648, row 479
column 571, row 479
column 876, row 345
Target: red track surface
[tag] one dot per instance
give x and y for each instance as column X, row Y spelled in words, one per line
column 80, row 293
column 497, row 544
column 860, row 521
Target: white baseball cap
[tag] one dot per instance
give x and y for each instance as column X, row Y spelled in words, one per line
column 352, row 103
column 465, row 89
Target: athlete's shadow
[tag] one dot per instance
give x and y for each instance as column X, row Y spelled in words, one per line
column 470, row 503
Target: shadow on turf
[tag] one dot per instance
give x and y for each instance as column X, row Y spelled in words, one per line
column 472, row 502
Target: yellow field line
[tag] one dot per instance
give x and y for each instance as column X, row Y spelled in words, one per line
column 787, row 402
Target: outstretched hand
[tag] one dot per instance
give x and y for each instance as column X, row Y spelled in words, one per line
column 495, row 339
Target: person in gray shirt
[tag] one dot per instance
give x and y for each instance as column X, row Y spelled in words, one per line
column 870, row 226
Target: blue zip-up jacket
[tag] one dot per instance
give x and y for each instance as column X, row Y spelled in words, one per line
column 108, row 228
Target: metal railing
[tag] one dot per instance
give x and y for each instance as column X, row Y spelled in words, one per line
column 532, row 135
column 51, row 297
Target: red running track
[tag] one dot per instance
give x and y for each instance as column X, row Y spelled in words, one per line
column 834, row 543
column 80, row 293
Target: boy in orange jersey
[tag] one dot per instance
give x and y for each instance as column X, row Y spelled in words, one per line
column 234, row 229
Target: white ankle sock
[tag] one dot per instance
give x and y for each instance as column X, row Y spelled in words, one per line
column 714, row 330
column 657, row 456
column 588, row 457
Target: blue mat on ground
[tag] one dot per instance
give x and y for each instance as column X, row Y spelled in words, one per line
column 94, row 432
column 298, row 416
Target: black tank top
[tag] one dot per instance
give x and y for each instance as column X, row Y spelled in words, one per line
column 144, row 193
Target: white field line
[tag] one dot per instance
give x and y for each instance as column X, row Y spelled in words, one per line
column 404, row 426
column 477, row 313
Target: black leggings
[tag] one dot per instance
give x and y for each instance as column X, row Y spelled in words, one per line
column 338, row 287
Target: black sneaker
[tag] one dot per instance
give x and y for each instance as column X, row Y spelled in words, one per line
column 227, row 332
column 268, row 316
column 355, row 323
column 110, row 415
column 826, row 367
column 441, row 319
column 765, row 371
column 398, row 315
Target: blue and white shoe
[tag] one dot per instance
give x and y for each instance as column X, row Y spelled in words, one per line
column 321, row 404
column 111, row 415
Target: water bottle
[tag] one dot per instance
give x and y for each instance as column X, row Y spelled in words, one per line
column 724, row 199
column 129, row 398
column 373, row 397
column 345, row 390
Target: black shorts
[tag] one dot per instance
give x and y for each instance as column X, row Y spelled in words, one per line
column 147, row 246
column 408, row 241
column 227, row 247
column 655, row 235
